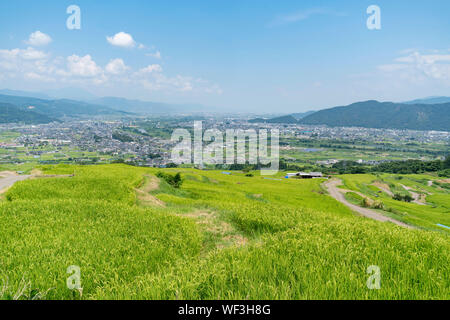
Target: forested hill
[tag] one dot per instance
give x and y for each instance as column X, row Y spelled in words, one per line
column 283, row 119
column 58, row 108
column 10, row 113
column 374, row 114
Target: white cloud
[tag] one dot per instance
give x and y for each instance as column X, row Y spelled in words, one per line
column 83, row 66
column 150, row 68
column 121, row 39
column 157, row 81
column 26, row 54
column 392, row 67
column 39, row 39
column 420, row 67
column 116, row 66
column 303, row 15
column 427, row 59
column 37, row 77
column 32, row 54
column 160, row 82
column 27, row 64
column 32, row 65
column 156, row 55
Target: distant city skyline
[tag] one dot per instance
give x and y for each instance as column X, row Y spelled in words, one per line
column 265, row 56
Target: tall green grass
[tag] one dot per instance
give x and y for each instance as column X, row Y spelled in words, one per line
column 301, row 243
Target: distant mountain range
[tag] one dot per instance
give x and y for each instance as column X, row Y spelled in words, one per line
column 431, row 113
column 282, row 119
column 50, row 109
column 43, row 110
column 10, row 114
column 429, row 100
column 374, row 114
column 55, row 94
column 24, row 94
column 81, row 96
column 302, row 115
column 292, row 118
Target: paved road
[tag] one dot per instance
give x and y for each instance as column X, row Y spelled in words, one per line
column 9, row 180
column 338, row 194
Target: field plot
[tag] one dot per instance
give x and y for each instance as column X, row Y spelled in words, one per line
column 427, row 202
column 216, row 237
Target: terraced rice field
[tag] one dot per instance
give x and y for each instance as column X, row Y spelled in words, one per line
column 219, row 236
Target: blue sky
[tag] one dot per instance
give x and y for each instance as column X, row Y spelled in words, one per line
column 254, row 56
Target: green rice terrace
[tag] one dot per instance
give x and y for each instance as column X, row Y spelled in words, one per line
column 220, row 236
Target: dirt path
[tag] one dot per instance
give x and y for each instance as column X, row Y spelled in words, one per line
column 383, row 187
column 432, row 184
column 417, row 197
column 338, row 194
column 223, row 233
column 143, row 195
column 7, row 179
column 38, row 174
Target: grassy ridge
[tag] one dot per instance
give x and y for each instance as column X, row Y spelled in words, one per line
column 299, row 242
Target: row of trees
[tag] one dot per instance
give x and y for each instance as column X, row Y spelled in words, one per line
column 412, row 166
column 399, row 167
column 353, row 167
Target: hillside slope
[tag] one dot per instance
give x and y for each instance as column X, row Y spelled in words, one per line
column 374, row 114
column 11, row 114
column 282, row 119
column 217, row 237
column 302, row 115
column 58, row 108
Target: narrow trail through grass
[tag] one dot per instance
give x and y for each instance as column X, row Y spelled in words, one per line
column 219, row 234
column 143, row 192
column 383, row 187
